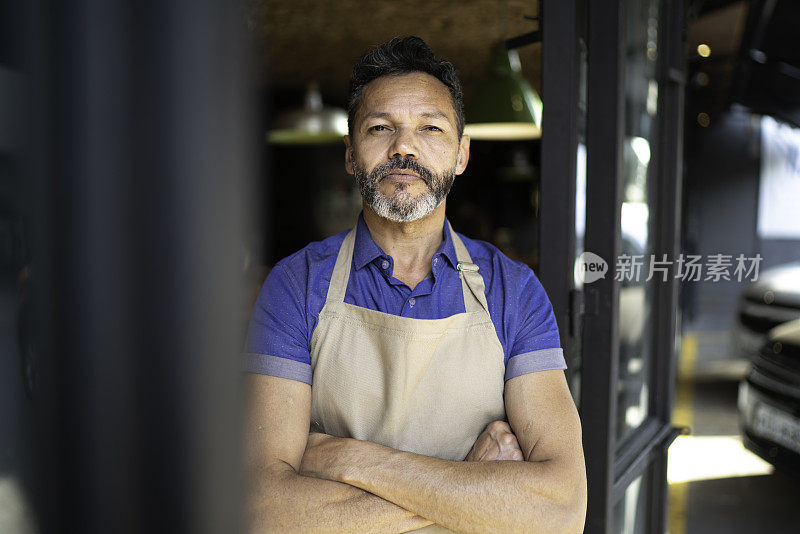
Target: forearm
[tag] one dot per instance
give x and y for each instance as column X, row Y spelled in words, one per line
column 470, row 496
column 286, row 501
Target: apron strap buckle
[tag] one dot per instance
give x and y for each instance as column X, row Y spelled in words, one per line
column 468, row 267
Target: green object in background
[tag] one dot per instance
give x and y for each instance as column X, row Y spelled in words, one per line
column 312, row 124
column 300, row 137
column 505, row 106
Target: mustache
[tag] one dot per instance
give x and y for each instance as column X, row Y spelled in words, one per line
column 402, row 164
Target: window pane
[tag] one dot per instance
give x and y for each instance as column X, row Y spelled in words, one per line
column 630, row 514
column 632, row 266
column 574, row 365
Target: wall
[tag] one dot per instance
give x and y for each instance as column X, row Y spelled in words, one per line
column 720, row 210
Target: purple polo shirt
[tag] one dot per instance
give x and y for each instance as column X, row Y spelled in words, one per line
column 288, row 306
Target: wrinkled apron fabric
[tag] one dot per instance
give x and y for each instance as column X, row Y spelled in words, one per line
column 428, row 386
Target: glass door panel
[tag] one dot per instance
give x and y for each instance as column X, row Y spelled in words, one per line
column 632, row 266
column 612, row 106
column 631, row 512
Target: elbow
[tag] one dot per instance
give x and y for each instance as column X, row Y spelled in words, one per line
column 564, row 510
column 573, row 497
column 567, row 517
column 260, row 515
column 575, row 516
column 574, row 509
column 263, row 510
column 268, row 515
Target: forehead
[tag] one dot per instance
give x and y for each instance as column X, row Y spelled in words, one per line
column 414, row 93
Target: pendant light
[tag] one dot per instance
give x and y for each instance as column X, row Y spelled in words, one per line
column 505, row 106
column 314, row 123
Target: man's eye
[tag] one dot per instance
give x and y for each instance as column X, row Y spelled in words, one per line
column 433, row 128
column 378, row 128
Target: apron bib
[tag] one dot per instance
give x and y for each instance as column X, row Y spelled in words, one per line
column 428, row 386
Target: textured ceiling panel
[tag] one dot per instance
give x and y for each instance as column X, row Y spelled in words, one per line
column 304, row 40
column 713, row 77
column 721, row 30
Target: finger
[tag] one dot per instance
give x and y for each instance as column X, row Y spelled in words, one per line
column 495, row 452
column 498, row 427
column 488, row 451
column 481, row 446
column 510, row 447
column 507, row 439
column 477, row 451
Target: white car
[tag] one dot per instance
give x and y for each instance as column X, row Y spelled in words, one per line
column 769, row 399
column 772, row 300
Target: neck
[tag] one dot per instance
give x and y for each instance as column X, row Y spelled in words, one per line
column 410, row 244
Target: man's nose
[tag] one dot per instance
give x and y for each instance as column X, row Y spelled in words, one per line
column 403, row 145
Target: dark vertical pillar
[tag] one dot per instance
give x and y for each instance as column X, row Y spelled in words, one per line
column 559, row 156
column 148, row 147
column 603, row 208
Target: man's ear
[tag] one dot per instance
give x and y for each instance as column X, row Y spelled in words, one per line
column 463, row 154
column 348, row 155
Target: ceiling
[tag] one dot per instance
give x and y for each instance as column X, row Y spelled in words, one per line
column 721, row 29
column 768, row 78
column 311, row 40
column 304, row 40
column 755, row 56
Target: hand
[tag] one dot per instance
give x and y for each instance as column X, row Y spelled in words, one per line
column 497, row 442
column 323, row 455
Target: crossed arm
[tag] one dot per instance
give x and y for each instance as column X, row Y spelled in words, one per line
column 305, row 481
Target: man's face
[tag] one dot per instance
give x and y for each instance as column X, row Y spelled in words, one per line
column 405, row 151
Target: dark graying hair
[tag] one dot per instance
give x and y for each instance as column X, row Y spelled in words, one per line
column 402, row 56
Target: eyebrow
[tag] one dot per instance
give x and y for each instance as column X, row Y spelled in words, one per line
column 427, row 115
column 435, row 114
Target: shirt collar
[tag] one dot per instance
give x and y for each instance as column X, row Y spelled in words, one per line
column 447, row 248
column 366, row 250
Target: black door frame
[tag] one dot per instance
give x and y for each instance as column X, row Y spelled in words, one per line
column 560, row 78
column 593, row 316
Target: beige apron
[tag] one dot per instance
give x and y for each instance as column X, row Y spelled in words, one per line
column 428, row 386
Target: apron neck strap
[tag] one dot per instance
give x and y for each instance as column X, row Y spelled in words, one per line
column 471, row 282
column 341, row 270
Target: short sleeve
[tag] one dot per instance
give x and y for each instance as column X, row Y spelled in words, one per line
column 277, row 341
column 536, row 345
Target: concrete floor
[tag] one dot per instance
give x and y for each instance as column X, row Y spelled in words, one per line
column 763, row 503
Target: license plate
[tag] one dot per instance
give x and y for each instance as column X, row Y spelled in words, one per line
column 778, row 426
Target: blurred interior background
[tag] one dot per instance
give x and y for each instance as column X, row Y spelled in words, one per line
column 157, row 158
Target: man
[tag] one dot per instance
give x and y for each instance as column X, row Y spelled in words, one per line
column 406, row 347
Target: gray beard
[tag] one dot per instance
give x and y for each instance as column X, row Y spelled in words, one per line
column 401, row 206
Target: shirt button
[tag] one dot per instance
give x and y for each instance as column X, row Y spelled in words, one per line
column 412, row 301
column 385, row 264
column 435, row 261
